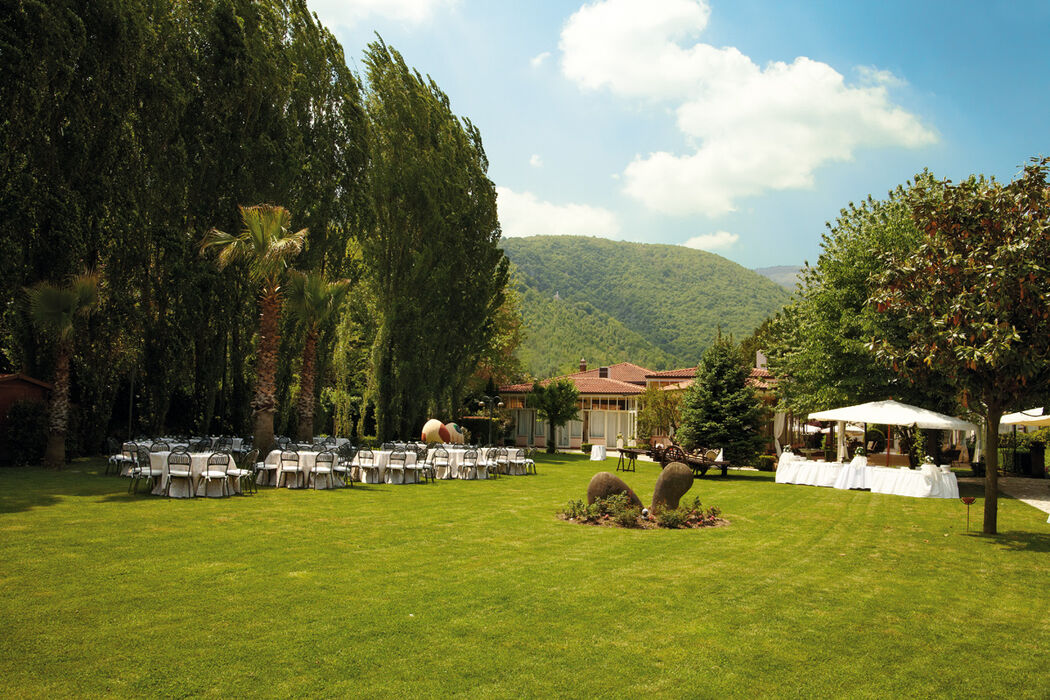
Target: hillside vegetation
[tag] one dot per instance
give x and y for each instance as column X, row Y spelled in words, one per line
column 655, row 305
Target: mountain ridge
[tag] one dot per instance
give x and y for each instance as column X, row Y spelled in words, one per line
column 609, row 301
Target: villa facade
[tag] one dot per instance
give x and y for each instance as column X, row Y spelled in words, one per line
column 608, row 407
column 609, row 403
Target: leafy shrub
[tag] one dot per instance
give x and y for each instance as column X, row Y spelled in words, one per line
column 24, row 434
column 369, row 441
column 617, row 510
column 764, row 463
column 671, row 518
column 628, row 517
column 691, row 515
column 614, row 507
column 585, row 448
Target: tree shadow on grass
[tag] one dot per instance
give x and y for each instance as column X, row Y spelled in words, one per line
column 26, row 488
column 1018, row 540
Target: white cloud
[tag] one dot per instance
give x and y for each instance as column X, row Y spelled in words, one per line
column 719, row 240
column 537, row 60
column 536, row 161
column 523, row 214
column 870, row 75
column 752, row 128
column 347, row 13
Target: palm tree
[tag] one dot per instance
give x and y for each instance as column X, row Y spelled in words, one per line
column 266, row 245
column 53, row 309
column 312, row 301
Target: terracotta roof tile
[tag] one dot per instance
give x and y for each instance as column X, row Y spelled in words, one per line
column 684, row 373
column 623, row 371
column 584, row 384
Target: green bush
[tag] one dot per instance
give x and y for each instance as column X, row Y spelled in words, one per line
column 672, row 519
column 24, row 434
column 628, row 517
column 764, row 463
column 586, row 448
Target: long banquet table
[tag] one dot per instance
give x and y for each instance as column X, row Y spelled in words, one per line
column 927, row 482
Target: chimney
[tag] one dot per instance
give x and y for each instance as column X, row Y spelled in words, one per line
column 761, row 361
column 583, row 364
column 603, row 372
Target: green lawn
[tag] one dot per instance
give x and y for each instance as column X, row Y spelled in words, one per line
column 476, row 589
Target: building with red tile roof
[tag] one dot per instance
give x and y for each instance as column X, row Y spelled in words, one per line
column 608, row 407
column 608, row 402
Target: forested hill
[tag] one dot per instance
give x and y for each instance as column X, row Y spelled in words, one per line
column 611, row 301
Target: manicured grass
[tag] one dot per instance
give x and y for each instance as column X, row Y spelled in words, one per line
column 477, row 589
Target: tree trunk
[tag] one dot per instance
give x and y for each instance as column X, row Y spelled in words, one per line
column 58, row 420
column 306, row 388
column 551, row 446
column 264, row 405
column 991, row 473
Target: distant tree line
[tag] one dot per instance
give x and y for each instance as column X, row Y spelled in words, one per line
column 132, row 127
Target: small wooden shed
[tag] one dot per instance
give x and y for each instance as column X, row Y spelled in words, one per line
column 21, row 387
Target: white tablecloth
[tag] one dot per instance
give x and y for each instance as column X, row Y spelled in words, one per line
column 307, row 459
column 854, row 475
column 792, row 470
column 380, row 459
column 927, row 482
column 179, row 487
column 597, row 453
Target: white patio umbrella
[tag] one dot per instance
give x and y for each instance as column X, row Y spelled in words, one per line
column 894, row 413
column 1032, row 417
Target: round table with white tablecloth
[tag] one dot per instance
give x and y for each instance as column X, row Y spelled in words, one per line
column 307, row 459
column 597, row 453
column 179, row 487
column 381, row 458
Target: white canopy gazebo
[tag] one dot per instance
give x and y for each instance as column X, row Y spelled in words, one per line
column 890, row 413
column 1031, row 418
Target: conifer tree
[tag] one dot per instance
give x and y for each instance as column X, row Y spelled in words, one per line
column 720, row 409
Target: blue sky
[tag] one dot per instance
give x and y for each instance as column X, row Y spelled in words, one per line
column 737, row 127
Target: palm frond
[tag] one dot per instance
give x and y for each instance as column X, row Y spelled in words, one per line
column 52, row 308
column 286, row 247
column 229, row 246
column 311, row 299
column 85, row 292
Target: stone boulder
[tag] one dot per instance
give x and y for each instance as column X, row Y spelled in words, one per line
column 673, row 482
column 604, row 484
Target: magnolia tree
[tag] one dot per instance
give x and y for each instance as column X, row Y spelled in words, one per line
column 557, row 403
column 975, row 298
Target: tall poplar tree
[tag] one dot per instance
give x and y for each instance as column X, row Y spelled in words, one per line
column 430, row 249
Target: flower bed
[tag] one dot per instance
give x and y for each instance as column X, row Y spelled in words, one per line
column 617, row 511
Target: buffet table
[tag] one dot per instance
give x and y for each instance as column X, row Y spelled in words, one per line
column 929, row 481
column 807, row 473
